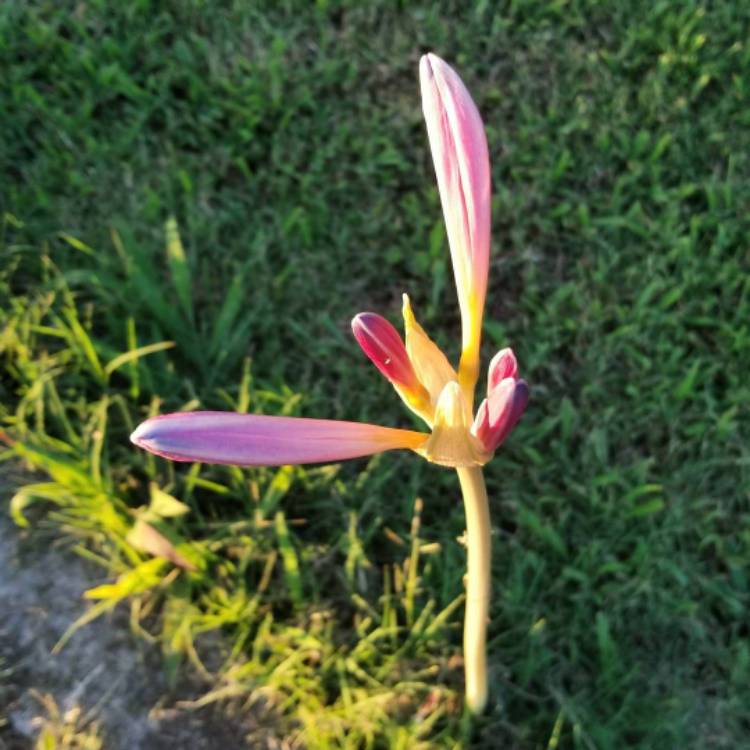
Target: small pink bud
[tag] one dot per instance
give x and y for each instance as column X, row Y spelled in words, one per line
column 520, row 399
column 503, row 365
column 381, row 342
column 462, row 166
column 499, row 413
column 492, row 410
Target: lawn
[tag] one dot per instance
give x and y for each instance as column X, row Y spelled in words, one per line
column 197, row 197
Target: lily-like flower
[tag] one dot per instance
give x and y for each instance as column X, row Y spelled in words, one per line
column 420, row 373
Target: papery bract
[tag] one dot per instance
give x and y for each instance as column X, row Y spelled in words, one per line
column 431, row 365
column 451, row 442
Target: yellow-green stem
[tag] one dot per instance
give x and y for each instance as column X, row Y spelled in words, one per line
column 478, row 548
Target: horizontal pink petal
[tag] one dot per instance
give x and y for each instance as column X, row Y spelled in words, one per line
column 253, row 440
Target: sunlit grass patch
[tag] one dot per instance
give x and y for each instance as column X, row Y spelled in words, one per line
column 65, row 730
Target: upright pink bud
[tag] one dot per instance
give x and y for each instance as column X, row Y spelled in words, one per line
column 459, row 150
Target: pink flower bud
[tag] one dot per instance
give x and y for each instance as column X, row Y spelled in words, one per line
column 381, row 342
column 503, row 365
column 462, row 165
column 499, row 413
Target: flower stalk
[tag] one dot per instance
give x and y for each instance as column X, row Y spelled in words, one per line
column 478, row 576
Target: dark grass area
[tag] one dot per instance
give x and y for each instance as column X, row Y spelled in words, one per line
column 287, row 140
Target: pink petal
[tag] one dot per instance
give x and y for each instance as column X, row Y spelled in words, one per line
column 492, row 412
column 499, row 413
column 382, row 343
column 503, row 365
column 254, row 440
column 520, row 400
column 459, row 150
column 510, row 418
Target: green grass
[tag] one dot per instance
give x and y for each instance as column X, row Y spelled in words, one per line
column 287, row 142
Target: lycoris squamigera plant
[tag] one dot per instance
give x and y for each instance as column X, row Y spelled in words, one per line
column 419, row 371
